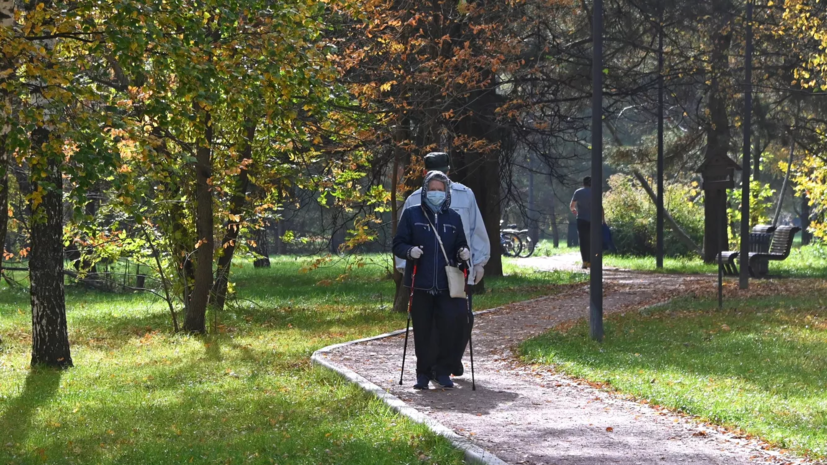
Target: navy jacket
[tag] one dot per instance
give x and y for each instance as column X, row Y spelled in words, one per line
column 414, row 231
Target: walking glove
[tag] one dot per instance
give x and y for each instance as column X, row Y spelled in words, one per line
column 479, row 271
column 415, row 253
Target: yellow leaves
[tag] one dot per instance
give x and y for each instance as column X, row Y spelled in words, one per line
column 37, row 196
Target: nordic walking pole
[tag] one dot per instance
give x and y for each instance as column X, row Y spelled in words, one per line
column 408, row 325
column 470, row 329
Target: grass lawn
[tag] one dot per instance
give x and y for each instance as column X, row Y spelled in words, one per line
column 809, row 261
column 545, row 248
column 680, row 265
column 758, row 365
column 247, row 394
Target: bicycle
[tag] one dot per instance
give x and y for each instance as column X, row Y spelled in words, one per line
column 526, row 245
column 510, row 242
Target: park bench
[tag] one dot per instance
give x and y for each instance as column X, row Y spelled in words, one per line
column 766, row 243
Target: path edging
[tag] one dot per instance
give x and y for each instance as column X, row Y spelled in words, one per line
column 473, row 453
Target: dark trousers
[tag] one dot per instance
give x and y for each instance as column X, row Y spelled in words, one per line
column 446, row 316
column 584, row 229
column 468, row 321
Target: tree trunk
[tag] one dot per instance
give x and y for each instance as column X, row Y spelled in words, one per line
column 555, row 232
column 714, row 240
column 50, row 337
column 491, row 211
column 195, row 320
column 4, row 198
column 233, row 226
column 806, row 235
column 400, row 300
column 717, row 128
column 533, row 223
column 262, row 248
column 6, row 21
column 337, row 240
column 281, row 230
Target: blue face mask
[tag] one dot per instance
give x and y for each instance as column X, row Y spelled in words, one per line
column 435, row 199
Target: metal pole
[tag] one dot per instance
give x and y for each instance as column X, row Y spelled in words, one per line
column 659, row 258
column 721, row 226
column 596, row 242
column 744, row 275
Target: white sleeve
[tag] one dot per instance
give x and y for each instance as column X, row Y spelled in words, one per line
column 480, row 245
column 398, row 262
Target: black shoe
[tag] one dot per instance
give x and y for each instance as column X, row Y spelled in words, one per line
column 459, row 370
column 444, row 381
column 422, row 382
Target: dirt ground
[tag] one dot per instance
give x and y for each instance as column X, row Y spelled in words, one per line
column 533, row 416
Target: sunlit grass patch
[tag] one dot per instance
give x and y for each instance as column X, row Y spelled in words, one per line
column 246, row 393
column 809, row 261
column 758, row 365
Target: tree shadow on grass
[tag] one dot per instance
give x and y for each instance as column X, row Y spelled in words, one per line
column 309, row 321
column 212, row 348
column 40, row 386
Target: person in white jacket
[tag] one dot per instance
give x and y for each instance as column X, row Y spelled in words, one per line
column 463, row 202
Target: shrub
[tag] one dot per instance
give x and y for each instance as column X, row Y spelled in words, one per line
column 632, row 216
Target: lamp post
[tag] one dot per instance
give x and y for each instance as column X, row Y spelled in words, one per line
column 596, row 242
column 745, row 176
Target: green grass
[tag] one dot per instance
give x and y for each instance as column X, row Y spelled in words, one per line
column 809, row 261
column 758, row 365
column 247, row 394
column 545, row 248
column 678, row 265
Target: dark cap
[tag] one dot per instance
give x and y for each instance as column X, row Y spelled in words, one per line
column 437, row 161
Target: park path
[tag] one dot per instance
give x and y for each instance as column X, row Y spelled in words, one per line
column 530, row 415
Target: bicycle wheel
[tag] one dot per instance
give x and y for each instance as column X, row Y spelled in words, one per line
column 527, row 248
column 511, row 244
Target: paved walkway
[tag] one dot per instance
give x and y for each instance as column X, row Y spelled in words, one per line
column 532, row 416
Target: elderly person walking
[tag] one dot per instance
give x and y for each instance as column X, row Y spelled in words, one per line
column 433, row 307
column 463, row 202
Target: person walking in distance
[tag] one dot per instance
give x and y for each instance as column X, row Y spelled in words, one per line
column 581, row 207
column 463, row 202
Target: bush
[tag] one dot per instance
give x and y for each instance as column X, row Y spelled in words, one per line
column 632, row 216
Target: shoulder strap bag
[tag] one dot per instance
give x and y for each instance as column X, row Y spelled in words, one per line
column 456, row 278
